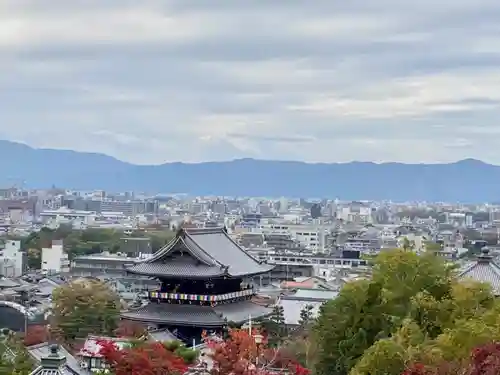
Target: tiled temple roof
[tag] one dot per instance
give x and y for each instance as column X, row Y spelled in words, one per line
column 201, row 253
column 193, row 315
column 484, row 270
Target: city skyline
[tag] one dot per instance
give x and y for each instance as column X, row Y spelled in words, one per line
column 183, row 81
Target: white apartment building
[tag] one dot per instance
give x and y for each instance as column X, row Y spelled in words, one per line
column 355, row 213
column 64, row 214
column 12, row 259
column 312, row 237
column 54, row 259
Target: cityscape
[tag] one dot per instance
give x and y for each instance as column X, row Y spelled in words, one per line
column 249, row 187
column 182, row 265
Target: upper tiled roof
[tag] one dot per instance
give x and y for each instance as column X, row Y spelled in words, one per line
column 220, row 247
column 177, row 269
column 484, row 270
column 212, row 253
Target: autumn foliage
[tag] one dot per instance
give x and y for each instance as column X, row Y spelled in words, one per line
column 130, row 329
column 147, row 359
column 36, row 334
column 241, row 355
column 484, row 360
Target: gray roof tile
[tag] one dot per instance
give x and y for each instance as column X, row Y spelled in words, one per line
column 72, row 366
column 220, row 247
column 191, row 315
column 485, row 270
column 241, row 311
column 176, row 269
column 187, row 315
column 213, row 253
column 162, row 335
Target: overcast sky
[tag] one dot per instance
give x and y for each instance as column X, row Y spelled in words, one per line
column 196, row 80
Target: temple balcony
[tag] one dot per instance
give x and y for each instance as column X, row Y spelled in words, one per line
column 203, row 297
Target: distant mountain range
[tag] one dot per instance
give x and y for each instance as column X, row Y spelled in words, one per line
column 465, row 181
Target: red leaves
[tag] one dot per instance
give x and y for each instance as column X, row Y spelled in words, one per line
column 241, row 355
column 36, row 335
column 418, row 369
column 484, row 360
column 146, row 359
column 130, row 329
column 299, row 370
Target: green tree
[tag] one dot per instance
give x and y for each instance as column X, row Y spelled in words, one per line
column 432, row 246
column 407, row 244
column 22, row 363
column 14, row 358
column 421, row 312
column 84, row 307
column 348, row 325
column 275, row 326
column 386, row 356
column 306, row 316
column 403, row 286
column 403, row 274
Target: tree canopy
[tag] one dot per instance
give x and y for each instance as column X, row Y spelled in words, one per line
column 151, row 358
column 84, row 307
column 412, row 310
column 86, row 242
column 14, row 358
column 241, row 354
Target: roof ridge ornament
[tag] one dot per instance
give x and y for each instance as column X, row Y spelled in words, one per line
column 485, row 256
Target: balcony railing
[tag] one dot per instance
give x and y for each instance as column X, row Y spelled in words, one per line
column 202, row 297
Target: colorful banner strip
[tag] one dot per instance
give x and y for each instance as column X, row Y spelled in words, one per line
column 202, row 297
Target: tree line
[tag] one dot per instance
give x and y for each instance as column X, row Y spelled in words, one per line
column 85, row 242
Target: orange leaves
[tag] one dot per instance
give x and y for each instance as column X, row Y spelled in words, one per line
column 146, row 359
column 247, row 354
column 127, row 328
column 36, row 335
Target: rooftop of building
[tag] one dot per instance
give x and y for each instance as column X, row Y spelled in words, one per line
column 193, row 315
column 484, row 269
column 201, row 253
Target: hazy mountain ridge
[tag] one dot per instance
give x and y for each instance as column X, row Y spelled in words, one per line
column 468, row 180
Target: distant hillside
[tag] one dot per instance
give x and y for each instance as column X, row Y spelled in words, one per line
column 467, row 180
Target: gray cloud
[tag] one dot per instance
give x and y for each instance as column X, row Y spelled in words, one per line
column 158, row 80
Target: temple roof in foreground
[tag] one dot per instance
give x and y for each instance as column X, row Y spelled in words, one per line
column 484, row 270
column 201, row 253
column 198, row 316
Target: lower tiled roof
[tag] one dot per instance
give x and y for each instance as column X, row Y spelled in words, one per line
column 240, row 312
column 186, row 315
column 193, row 315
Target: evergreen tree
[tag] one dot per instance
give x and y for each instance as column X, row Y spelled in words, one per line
column 306, row 316
column 274, row 325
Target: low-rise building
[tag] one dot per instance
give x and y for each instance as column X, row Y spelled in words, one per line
column 54, row 259
column 13, row 261
column 112, row 268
